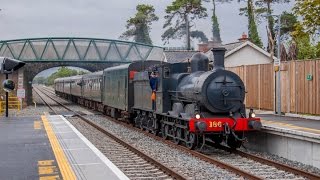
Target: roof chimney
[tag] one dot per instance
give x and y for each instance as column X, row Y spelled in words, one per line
column 244, row 37
column 213, row 44
column 203, row 47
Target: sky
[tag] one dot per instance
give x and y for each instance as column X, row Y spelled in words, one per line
column 107, row 19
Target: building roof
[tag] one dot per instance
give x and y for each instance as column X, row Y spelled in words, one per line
column 175, row 56
column 236, row 46
column 231, row 46
column 248, row 43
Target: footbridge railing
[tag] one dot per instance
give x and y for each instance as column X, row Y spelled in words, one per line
column 79, row 49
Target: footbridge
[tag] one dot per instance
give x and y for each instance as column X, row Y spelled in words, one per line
column 88, row 53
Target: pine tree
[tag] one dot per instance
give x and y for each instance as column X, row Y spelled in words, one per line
column 252, row 27
column 182, row 12
column 138, row 26
column 215, row 25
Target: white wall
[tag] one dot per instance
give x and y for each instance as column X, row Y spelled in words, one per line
column 246, row 56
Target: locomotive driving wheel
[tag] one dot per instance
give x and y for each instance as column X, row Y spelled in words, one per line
column 191, row 140
column 137, row 121
column 165, row 131
column 178, row 136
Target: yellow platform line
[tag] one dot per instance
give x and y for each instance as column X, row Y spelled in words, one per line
column 64, row 166
column 291, row 126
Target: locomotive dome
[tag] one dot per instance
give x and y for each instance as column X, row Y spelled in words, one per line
column 199, row 62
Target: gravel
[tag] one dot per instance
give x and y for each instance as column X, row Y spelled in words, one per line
column 181, row 162
column 290, row 163
column 29, row 111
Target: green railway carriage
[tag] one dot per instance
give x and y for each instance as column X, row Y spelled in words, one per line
column 118, row 91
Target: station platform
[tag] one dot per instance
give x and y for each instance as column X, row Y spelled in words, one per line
column 299, row 126
column 293, row 138
column 49, row 147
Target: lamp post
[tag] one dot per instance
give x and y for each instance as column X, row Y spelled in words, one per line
column 7, row 66
column 279, row 70
column 277, row 65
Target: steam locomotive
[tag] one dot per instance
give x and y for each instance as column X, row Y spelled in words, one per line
column 191, row 104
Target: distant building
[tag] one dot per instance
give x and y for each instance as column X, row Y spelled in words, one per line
column 175, row 56
column 242, row 52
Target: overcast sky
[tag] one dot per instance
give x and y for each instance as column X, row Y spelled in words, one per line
column 107, row 19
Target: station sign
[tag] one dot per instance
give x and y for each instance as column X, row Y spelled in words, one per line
column 21, row 93
column 309, row 77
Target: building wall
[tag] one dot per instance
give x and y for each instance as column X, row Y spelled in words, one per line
column 246, row 56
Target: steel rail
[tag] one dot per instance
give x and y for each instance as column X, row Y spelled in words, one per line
column 269, row 162
column 159, row 165
column 278, row 165
column 50, row 107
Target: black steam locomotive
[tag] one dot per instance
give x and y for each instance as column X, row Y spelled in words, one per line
column 185, row 102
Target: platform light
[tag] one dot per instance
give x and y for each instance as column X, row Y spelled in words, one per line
column 8, row 65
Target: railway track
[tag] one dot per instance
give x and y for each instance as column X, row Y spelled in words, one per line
column 134, row 163
column 244, row 164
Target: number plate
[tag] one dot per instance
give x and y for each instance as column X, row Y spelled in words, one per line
column 214, row 124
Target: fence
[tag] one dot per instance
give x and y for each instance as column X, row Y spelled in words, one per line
column 13, row 103
column 300, row 86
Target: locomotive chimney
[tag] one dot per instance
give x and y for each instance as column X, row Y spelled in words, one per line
column 218, row 57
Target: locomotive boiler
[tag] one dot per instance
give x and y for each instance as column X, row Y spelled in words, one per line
column 216, row 92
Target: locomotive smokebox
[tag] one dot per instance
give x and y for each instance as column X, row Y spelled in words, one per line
column 218, row 57
column 199, row 62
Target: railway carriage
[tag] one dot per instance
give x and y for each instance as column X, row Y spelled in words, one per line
column 75, row 89
column 92, row 90
column 118, row 91
column 58, row 86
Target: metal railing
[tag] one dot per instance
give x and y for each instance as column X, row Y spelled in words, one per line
column 13, row 103
column 78, row 49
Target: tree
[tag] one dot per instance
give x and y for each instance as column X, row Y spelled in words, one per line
column 306, row 50
column 62, row 72
column 183, row 12
column 138, row 26
column 264, row 8
column 40, row 80
column 261, row 9
column 252, row 27
column 309, row 10
column 214, row 19
column 288, row 22
column 200, row 35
